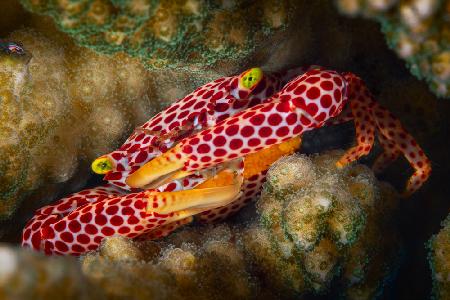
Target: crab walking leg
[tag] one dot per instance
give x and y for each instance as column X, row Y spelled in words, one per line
column 391, row 128
column 345, row 116
column 369, row 115
column 364, row 123
column 389, row 153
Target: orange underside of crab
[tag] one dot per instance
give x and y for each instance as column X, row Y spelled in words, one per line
column 255, row 163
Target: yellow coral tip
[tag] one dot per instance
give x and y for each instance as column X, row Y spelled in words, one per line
column 102, row 165
column 251, row 78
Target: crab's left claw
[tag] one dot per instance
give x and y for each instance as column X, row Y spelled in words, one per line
column 78, row 223
column 218, row 191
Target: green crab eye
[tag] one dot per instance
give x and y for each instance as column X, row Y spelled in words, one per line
column 102, row 165
column 251, row 78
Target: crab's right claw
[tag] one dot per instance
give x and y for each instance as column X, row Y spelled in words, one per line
column 161, row 169
column 217, row 191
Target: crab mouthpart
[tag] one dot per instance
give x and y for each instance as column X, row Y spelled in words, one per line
column 159, row 170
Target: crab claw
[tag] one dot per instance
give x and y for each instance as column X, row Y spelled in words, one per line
column 159, row 170
column 202, row 198
column 79, row 222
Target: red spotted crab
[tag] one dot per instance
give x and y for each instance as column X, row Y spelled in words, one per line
column 206, row 156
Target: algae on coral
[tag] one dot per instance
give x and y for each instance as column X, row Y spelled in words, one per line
column 191, row 34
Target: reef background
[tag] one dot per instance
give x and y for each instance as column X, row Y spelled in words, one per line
column 316, row 34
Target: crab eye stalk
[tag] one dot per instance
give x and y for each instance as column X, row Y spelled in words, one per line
column 102, row 165
column 251, row 78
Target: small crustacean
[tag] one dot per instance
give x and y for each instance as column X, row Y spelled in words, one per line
column 11, row 48
column 78, row 223
column 207, row 155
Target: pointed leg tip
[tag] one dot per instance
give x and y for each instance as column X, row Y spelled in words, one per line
column 340, row 165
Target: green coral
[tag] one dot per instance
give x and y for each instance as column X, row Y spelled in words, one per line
column 439, row 260
column 418, row 31
column 169, row 34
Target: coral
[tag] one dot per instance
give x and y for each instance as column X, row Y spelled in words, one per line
column 439, row 260
column 169, row 34
column 62, row 105
column 29, row 275
column 418, row 31
column 326, row 223
column 172, row 270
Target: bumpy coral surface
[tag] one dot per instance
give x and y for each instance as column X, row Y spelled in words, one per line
column 169, row 33
column 439, row 259
column 29, row 275
column 324, row 224
column 318, row 228
column 417, row 30
column 61, row 105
